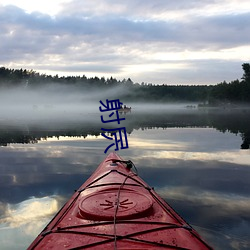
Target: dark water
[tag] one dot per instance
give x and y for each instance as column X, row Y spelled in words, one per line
column 193, row 158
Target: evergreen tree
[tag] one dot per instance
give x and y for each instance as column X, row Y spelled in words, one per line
column 246, row 69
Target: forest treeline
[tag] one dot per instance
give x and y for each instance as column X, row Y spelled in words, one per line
column 236, row 91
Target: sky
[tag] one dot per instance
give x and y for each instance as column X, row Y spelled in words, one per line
column 152, row 41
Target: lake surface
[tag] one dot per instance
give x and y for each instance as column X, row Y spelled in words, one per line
column 197, row 160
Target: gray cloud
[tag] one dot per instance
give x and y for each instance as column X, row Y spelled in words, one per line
column 132, row 8
column 224, row 31
column 219, row 29
column 109, row 39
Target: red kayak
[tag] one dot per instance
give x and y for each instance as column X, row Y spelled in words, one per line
column 116, row 209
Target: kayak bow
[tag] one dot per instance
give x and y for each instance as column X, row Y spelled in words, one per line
column 116, row 209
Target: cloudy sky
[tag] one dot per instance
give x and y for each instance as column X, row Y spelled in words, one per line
column 156, row 41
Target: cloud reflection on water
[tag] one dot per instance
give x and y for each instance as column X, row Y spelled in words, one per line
column 207, row 184
column 235, row 156
column 29, row 211
column 21, row 222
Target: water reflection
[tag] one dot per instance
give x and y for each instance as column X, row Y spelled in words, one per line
column 28, row 211
column 195, row 166
column 21, row 221
column 31, row 131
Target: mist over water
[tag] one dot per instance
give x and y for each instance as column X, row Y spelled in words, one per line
column 55, row 102
column 59, row 107
column 60, row 102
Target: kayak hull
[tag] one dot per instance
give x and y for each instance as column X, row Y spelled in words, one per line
column 116, row 209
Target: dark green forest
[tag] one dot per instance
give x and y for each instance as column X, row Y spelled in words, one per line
column 225, row 93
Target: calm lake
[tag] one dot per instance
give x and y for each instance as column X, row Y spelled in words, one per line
column 198, row 160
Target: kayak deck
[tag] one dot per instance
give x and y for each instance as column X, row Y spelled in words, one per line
column 116, row 209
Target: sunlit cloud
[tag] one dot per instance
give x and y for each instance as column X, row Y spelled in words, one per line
column 225, row 54
column 148, row 144
column 29, row 212
column 222, row 156
column 46, row 6
column 21, row 223
column 70, row 139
